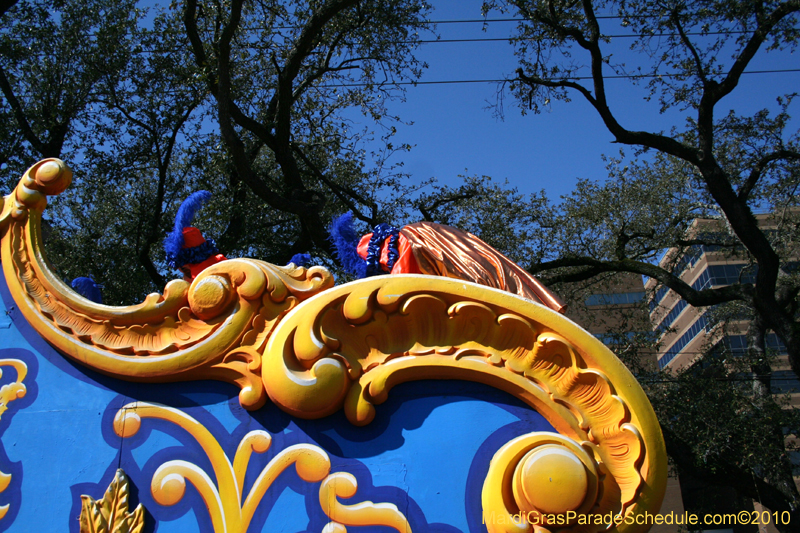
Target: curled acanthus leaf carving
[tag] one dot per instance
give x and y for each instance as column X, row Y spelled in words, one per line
column 230, row 502
column 213, row 328
column 349, row 346
column 344, row 485
column 9, row 392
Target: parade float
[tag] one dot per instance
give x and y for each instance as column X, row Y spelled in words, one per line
column 263, row 398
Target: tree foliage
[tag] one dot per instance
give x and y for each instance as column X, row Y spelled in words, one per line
column 259, row 102
column 280, row 77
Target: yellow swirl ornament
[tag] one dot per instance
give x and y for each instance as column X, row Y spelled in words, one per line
column 8, row 393
column 214, row 328
column 350, row 345
column 230, row 510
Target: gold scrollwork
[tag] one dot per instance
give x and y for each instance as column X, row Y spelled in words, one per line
column 228, row 511
column 343, row 485
column 213, row 328
column 538, row 480
column 350, row 345
column 16, row 389
column 283, row 332
column 8, row 393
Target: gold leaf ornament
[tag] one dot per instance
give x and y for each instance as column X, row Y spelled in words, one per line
column 15, row 390
column 347, row 347
column 110, row 513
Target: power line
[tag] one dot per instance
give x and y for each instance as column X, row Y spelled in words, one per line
column 467, row 21
column 570, row 78
column 620, row 36
column 510, row 39
column 484, row 21
column 513, row 38
column 598, row 17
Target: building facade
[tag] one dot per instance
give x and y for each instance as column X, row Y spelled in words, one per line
column 685, row 334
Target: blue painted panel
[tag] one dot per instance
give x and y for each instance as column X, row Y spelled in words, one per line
column 427, row 451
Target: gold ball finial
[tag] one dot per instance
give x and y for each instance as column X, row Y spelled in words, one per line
column 552, row 480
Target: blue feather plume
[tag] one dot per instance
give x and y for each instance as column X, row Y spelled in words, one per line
column 345, row 240
column 301, row 260
column 87, row 288
column 173, row 243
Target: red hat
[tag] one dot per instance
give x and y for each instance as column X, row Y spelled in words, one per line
column 185, row 247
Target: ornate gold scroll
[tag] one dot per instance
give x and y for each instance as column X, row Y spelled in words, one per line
column 283, row 332
column 8, row 393
column 214, row 328
column 350, row 345
column 230, row 508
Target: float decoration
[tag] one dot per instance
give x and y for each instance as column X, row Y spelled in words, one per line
column 230, row 509
column 286, row 334
column 215, row 328
column 16, row 389
column 8, row 393
column 110, row 513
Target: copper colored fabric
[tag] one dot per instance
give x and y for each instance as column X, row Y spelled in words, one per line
column 444, row 251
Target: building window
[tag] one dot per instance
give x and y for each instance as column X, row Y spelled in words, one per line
column 689, row 259
column 660, row 293
column 790, row 267
column 616, row 298
column 784, row 381
column 774, row 343
column 681, row 343
column 670, row 318
column 615, row 339
column 723, row 275
column 736, row 345
column 712, row 275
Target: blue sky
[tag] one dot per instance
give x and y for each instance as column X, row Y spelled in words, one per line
column 453, row 132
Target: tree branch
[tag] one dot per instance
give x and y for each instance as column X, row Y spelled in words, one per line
column 758, row 169
column 765, row 26
column 341, row 192
column 5, row 5
column 426, row 211
column 727, row 474
column 305, row 43
column 622, row 135
column 19, row 114
column 698, row 63
column 693, row 297
column 220, row 89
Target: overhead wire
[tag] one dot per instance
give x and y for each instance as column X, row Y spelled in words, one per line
column 490, row 20
column 616, row 36
column 570, row 78
column 517, row 19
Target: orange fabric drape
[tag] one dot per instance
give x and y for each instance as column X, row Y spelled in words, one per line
column 445, row 251
column 439, row 250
